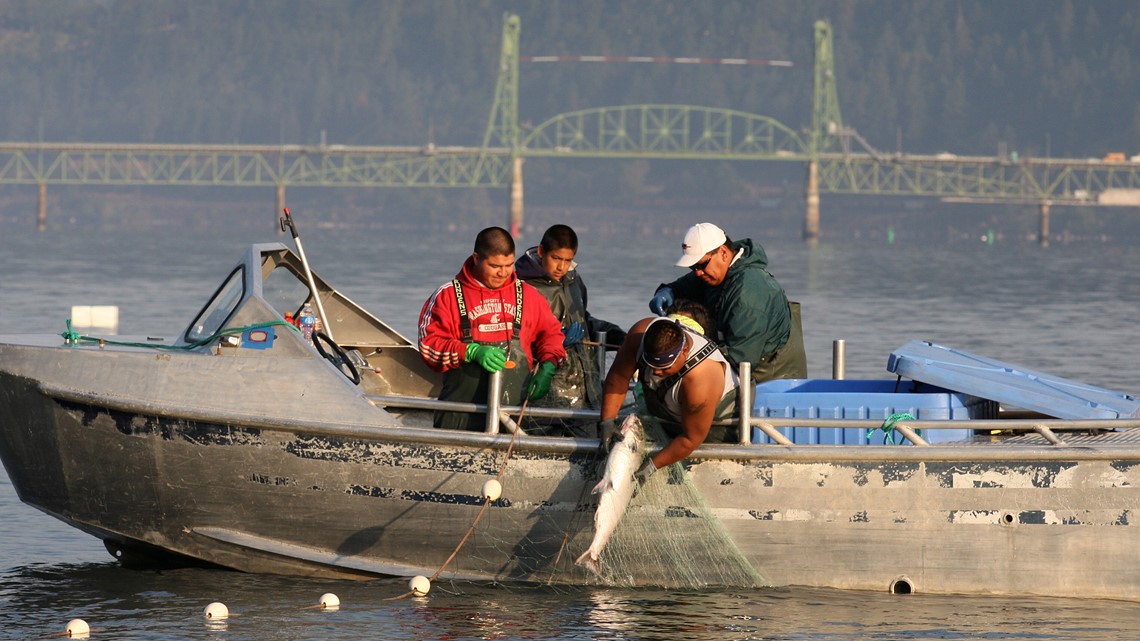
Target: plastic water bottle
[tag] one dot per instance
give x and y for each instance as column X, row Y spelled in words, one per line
column 308, row 321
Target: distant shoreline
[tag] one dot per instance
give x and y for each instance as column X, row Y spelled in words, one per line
column 844, row 218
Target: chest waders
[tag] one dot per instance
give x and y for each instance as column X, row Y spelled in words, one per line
column 578, row 382
column 790, row 360
column 655, row 399
column 469, row 382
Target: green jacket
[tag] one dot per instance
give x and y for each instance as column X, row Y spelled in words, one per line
column 750, row 307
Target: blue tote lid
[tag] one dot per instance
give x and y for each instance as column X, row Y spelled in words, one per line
column 988, row 378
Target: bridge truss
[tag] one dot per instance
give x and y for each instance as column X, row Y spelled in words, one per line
column 839, row 161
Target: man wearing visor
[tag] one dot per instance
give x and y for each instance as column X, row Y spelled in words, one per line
column 687, row 381
column 757, row 323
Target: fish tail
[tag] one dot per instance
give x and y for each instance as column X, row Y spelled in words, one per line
column 590, row 562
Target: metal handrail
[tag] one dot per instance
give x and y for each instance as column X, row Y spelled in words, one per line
column 744, row 409
column 423, row 403
column 494, row 400
column 1006, row 424
column 498, row 414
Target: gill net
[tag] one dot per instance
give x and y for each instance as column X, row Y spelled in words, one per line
column 669, row 536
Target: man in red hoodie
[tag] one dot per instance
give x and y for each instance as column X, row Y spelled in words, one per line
column 484, row 321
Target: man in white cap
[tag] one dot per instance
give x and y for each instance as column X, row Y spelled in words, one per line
column 756, row 322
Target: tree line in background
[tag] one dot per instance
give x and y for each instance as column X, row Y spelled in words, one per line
column 1051, row 77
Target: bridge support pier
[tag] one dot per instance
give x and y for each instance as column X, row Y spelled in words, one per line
column 280, row 202
column 516, row 196
column 811, row 216
column 1043, row 235
column 41, row 209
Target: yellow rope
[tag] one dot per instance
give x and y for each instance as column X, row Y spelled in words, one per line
column 482, row 510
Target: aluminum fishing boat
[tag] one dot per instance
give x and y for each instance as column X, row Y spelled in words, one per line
column 240, row 444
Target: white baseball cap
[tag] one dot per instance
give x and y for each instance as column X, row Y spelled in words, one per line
column 700, row 240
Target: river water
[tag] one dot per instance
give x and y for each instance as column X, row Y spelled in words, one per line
column 1068, row 310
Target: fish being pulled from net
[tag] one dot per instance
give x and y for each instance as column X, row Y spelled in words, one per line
column 616, row 488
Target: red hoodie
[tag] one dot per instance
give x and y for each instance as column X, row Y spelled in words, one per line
column 492, row 314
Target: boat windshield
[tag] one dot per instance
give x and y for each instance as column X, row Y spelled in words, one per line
column 214, row 315
column 284, row 290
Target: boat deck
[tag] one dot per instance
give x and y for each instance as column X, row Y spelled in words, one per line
column 1103, row 439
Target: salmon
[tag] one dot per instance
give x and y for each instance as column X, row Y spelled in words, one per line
column 616, row 488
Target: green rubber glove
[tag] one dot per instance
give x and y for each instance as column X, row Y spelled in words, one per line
column 540, row 384
column 491, row 358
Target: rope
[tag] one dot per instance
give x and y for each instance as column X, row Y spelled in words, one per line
column 486, row 502
column 888, row 428
column 73, row 337
column 70, row 336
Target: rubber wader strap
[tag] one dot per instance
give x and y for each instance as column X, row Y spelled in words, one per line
column 465, row 320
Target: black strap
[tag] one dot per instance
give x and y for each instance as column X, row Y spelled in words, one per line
column 518, row 308
column 692, row 361
column 465, row 320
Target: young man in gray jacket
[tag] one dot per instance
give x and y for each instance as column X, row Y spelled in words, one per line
column 550, row 268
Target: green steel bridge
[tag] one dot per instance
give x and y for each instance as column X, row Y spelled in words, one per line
column 838, row 160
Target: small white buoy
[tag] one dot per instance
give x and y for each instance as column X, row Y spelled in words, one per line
column 217, row 611
column 420, row 585
column 330, row 601
column 78, row 629
column 492, row 490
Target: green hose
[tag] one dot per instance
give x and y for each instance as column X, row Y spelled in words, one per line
column 72, row 337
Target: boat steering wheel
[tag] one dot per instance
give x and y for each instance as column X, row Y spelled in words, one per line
column 336, row 356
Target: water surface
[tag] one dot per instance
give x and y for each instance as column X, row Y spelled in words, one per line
column 1068, row 310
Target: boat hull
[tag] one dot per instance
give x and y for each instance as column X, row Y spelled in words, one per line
column 351, row 501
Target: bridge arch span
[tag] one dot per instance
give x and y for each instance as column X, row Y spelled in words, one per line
column 663, row 131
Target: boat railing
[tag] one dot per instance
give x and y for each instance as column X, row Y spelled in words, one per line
column 492, row 409
column 1048, row 428
column 499, row 415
